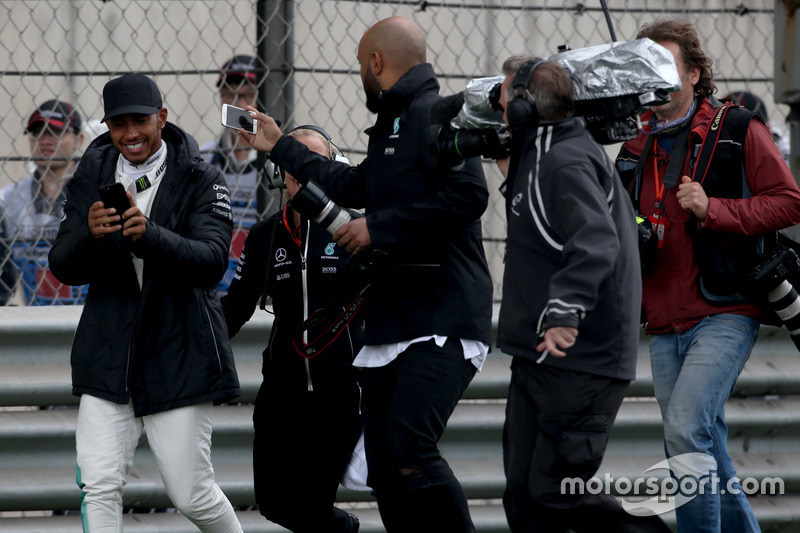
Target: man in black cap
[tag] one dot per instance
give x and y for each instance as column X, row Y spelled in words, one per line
column 151, row 350
column 31, row 208
column 238, row 83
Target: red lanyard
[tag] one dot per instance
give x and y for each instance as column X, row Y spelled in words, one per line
column 659, row 216
column 658, row 183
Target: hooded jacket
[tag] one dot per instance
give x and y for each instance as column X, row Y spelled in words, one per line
column 572, row 258
column 165, row 345
column 430, row 275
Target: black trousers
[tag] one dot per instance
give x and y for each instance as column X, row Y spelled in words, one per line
column 303, row 442
column 557, row 425
column 406, row 405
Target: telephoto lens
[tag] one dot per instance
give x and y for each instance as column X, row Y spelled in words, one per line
column 313, row 203
column 771, row 278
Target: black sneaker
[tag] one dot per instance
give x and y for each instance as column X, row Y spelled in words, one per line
column 351, row 523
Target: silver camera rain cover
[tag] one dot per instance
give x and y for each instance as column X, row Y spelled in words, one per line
column 603, row 71
column 620, row 68
column 477, row 112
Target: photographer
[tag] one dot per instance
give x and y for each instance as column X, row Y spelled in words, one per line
column 428, row 313
column 572, row 328
column 702, row 330
column 306, row 414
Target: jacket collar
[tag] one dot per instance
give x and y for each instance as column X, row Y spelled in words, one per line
column 700, row 123
column 419, row 78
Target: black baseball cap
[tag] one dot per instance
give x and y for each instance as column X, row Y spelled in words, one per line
column 238, row 68
column 131, row 93
column 55, row 114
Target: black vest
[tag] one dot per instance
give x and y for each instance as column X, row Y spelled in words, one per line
column 724, row 259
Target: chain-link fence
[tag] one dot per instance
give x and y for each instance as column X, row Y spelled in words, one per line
column 306, row 61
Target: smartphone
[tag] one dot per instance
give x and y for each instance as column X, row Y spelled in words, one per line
column 238, row 118
column 114, row 196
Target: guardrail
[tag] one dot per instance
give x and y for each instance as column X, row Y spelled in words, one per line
column 37, row 448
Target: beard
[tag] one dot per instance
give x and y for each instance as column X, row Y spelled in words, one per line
column 373, row 91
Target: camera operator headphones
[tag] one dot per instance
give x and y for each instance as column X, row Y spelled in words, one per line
column 521, row 111
column 278, row 178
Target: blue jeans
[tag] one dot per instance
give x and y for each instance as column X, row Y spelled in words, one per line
column 694, row 373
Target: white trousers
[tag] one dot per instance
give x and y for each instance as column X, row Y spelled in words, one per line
column 180, row 439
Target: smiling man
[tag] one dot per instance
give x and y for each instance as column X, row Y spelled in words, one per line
column 151, row 351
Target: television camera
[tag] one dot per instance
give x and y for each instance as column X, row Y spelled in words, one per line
column 613, row 84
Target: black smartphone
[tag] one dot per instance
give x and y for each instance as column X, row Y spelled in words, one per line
column 114, row 196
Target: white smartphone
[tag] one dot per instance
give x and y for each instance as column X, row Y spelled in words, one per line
column 238, row 118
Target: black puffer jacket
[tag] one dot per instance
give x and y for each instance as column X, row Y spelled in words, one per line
column 166, row 345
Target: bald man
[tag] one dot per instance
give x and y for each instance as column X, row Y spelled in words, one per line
column 428, row 312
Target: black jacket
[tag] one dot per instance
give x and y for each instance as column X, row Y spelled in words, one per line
column 304, row 279
column 166, row 345
column 572, row 256
column 434, row 279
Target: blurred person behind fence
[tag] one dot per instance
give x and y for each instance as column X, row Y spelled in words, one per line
column 757, row 106
column 238, row 83
column 31, row 209
column 428, row 313
column 307, row 415
column 573, row 327
column 151, row 350
column 709, row 226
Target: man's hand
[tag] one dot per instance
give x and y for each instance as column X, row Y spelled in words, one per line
column 354, row 236
column 693, row 198
column 268, row 132
column 103, row 221
column 135, row 223
column 555, row 338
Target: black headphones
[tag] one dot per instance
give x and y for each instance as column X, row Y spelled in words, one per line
column 278, row 179
column 522, row 111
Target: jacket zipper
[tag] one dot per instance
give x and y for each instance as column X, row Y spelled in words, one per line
column 352, row 357
column 303, row 254
column 213, row 337
column 128, row 364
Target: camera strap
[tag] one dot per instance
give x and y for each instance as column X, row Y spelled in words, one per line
column 709, row 145
column 674, row 166
column 336, row 325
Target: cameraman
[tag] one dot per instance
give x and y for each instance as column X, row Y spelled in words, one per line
column 699, row 347
column 572, row 328
column 428, row 315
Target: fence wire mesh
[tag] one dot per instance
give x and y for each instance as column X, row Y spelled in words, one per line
column 306, row 60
